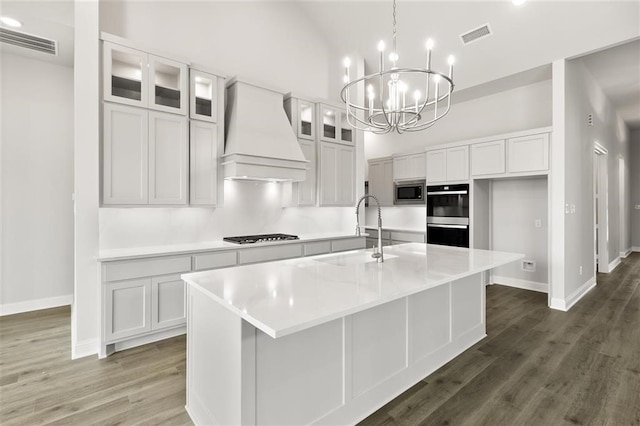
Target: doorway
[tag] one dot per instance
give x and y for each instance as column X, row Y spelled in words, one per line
column 600, row 205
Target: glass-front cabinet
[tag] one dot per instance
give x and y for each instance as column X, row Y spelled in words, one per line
column 203, row 96
column 334, row 126
column 302, row 116
column 134, row 77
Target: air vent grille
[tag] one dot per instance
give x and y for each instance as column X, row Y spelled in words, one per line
column 28, row 41
column 476, row 34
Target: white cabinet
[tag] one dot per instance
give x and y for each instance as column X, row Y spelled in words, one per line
column 304, row 192
column 137, row 78
column 333, row 125
column 203, row 163
column 450, row 164
column 125, row 155
column 302, row 116
column 488, row 158
column 168, row 163
column 168, row 302
column 336, row 167
column 409, row 167
column 204, row 91
column 381, row 180
column 528, row 153
column 127, row 310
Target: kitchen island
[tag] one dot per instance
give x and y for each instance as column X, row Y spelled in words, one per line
column 329, row 339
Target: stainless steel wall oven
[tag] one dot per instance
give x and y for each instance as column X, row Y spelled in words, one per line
column 448, row 215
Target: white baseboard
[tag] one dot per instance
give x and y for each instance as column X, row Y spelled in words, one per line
column 85, row 348
column 139, row 341
column 35, row 305
column 625, row 254
column 573, row 298
column 518, row 283
column 614, row 263
column 635, row 249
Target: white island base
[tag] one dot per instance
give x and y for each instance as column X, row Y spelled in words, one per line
column 341, row 370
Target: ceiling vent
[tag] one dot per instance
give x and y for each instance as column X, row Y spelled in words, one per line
column 28, row 41
column 476, row 34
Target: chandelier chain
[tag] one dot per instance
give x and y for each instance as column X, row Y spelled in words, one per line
column 394, row 27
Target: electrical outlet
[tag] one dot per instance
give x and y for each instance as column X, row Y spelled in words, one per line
column 637, row 206
column 566, row 208
column 538, row 223
column 528, row 265
column 573, row 208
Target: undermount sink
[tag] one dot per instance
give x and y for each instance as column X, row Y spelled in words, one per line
column 352, row 259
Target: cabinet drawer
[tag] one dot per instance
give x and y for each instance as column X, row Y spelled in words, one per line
column 265, row 254
column 320, row 247
column 348, row 244
column 407, row 237
column 215, row 260
column 128, row 269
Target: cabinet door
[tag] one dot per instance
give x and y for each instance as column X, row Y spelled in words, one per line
column 328, row 122
column 203, row 161
column 127, row 309
column 124, row 156
column 401, row 168
column 436, row 166
column 124, row 75
column 417, row 166
column 387, row 183
column 167, row 85
column 347, row 134
column 305, row 191
column 203, row 96
column 457, row 163
column 346, row 176
column 328, row 173
column 306, row 119
column 488, row 158
column 528, row 153
column 167, row 158
column 168, row 302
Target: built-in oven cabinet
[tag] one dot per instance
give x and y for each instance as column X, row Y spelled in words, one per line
column 409, row 167
column 381, row 180
column 448, row 165
column 137, row 78
column 302, row 116
column 333, row 125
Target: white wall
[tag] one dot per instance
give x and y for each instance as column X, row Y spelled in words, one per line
column 583, row 96
column 516, row 205
column 523, row 108
column 634, row 165
column 37, row 183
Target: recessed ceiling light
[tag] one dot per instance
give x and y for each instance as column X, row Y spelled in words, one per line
column 10, row 21
column 518, row 2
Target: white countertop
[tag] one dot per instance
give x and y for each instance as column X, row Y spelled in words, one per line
column 287, row 296
column 170, row 249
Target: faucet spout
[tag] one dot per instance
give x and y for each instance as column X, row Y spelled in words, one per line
column 377, row 255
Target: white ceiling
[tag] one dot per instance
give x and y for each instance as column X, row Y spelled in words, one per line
column 525, row 40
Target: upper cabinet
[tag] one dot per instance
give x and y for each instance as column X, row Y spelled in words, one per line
column 528, row 153
column 302, row 115
column 203, row 96
column 333, row 125
column 488, row 158
column 336, row 166
column 134, row 77
column 446, row 165
column 409, row 167
column 381, row 180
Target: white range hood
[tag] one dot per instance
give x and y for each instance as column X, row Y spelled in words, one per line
column 260, row 143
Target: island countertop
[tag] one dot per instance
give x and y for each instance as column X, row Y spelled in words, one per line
column 284, row 297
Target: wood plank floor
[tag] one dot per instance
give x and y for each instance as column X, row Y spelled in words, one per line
column 536, row 367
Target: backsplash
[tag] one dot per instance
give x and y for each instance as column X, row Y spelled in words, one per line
column 400, row 217
column 249, row 208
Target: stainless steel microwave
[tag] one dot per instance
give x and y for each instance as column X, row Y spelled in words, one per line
column 408, row 192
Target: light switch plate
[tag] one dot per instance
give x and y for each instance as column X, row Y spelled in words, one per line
column 637, row 206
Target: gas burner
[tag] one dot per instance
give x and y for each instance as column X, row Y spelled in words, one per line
column 260, row 238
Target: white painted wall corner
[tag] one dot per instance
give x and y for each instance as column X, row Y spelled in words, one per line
column 35, row 305
column 614, row 263
column 575, row 297
column 625, row 254
column 84, row 348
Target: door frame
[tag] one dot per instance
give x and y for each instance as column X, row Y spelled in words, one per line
column 600, row 209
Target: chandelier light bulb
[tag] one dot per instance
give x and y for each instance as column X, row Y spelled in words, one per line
column 429, row 44
column 347, row 62
column 393, row 57
column 345, row 79
column 402, row 87
column 416, row 95
column 381, row 46
column 451, row 60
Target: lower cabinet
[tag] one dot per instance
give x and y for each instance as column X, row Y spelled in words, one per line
column 139, row 306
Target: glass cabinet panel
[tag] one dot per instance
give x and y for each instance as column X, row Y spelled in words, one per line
column 328, row 124
column 167, row 85
column 346, row 131
column 306, row 120
column 125, row 74
column 203, row 94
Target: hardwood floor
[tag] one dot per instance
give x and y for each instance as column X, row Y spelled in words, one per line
column 536, row 367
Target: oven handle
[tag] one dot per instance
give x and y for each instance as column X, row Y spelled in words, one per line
column 433, row 225
column 447, row 193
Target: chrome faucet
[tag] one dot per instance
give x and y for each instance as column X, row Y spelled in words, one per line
column 376, row 254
